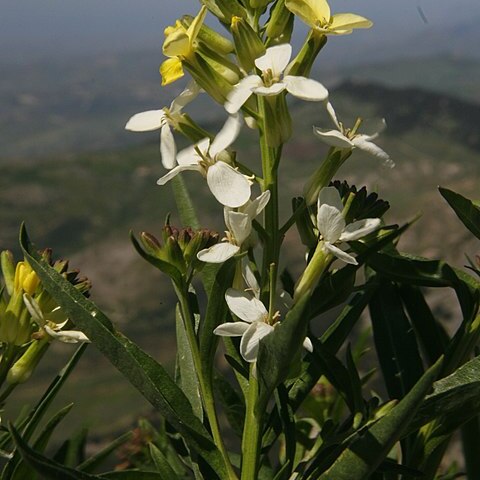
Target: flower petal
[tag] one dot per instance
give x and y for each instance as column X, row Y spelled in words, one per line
column 171, row 70
column 249, row 277
column 275, row 59
column 219, row 253
column 245, row 306
column 340, row 254
column 330, row 223
column 146, row 121
column 67, row 336
column 175, row 171
column 309, row 11
column 168, row 148
column 190, row 93
column 307, row 344
column 34, row 309
column 306, row 88
column 333, row 115
column 349, row 21
column 274, row 89
column 334, row 138
column 239, row 224
column 369, row 147
column 231, row 329
column 255, row 207
column 190, row 156
column 372, row 128
column 241, row 92
column 330, row 196
column 359, row 229
column 228, row 186
column 251, row 338
column 227, row 135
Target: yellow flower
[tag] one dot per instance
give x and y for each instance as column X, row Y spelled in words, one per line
column 316, row 14
column 179, row 43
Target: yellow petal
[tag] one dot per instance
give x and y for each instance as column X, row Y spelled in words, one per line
column 197, row 23
column 171, row 70
column 177, row 43
column 302, row 10
column 349, row 21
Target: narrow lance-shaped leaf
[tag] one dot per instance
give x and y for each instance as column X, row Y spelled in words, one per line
column 466, row 210
column 147, row 375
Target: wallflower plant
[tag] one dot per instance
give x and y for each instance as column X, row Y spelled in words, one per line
column 280, row 396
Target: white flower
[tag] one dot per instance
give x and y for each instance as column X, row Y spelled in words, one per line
column 349, row 138
column 50, row 322
column 272, row 64
column 161, row 119
column 230, row 187
column 239, row 228
column 333, row 228
column 253, row 326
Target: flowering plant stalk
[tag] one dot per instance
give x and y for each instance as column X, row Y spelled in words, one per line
column 287, row 402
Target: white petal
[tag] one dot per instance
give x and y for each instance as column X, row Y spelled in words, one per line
column 275, row 59
column 189, row 155
column 168, row 149
column 334, row 138
column 333, row 115
column 228, row 186
column 231, row 329
column 330, row 196
column 250, row 278
column 330, row 223
column 67, row 336
column 190, row 93
column 33, row 309
column 250, row 340
column 372, row 128
column 306, row 88
column 241, row 92
column 307, row 344
column 340, row 254
column 227, row 135
column 255, row 207
column 359, row 229
column 369, row 147
column 146, row 121
column 245, row 306
column 175, row 171
column 239, row 224
column 274, row 89
column 218, row 253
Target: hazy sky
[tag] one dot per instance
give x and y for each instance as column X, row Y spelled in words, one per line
column 31, row 29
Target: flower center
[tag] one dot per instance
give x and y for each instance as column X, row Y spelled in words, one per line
column 268, row 78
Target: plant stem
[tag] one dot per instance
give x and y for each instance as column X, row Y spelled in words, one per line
column 204, row 380
column 251, row 440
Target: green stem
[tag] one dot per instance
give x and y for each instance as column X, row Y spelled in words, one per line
column 205, row 380
column 251, row 440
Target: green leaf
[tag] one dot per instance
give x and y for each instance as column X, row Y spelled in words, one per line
column 466, row 211
column 188, row 379
column 97, row 459
column 143, row 372
column 233, row 404
column 433, row 337
column 372, row 445
column 184, row 203
column 288, row 429
column 133, row 475
column 161, row 463
column 217, row 313
column 72, row 451
column 49, row 469
column 395, row 341
column 279, row 347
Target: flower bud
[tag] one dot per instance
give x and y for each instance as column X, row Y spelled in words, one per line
column 15, row 325
column 248, row 44
column 210, row 37
column 224, row 10
column 258, row 3
column 200, row 240
column 23, row 368
column 25, row 278
column 280, row 25
column 8, row 270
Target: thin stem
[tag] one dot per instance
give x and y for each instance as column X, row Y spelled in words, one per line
column 204, row 380
column 251, row 440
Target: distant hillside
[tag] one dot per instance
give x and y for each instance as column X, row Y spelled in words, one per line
column 82, row 105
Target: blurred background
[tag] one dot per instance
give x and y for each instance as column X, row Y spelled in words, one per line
column 72, row 73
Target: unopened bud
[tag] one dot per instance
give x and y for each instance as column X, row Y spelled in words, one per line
column 258, row 3
column 8, row 270
column 23, row 368
column 210, row 37
column 248, row 44
column 280, row 25
column 224, row 10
